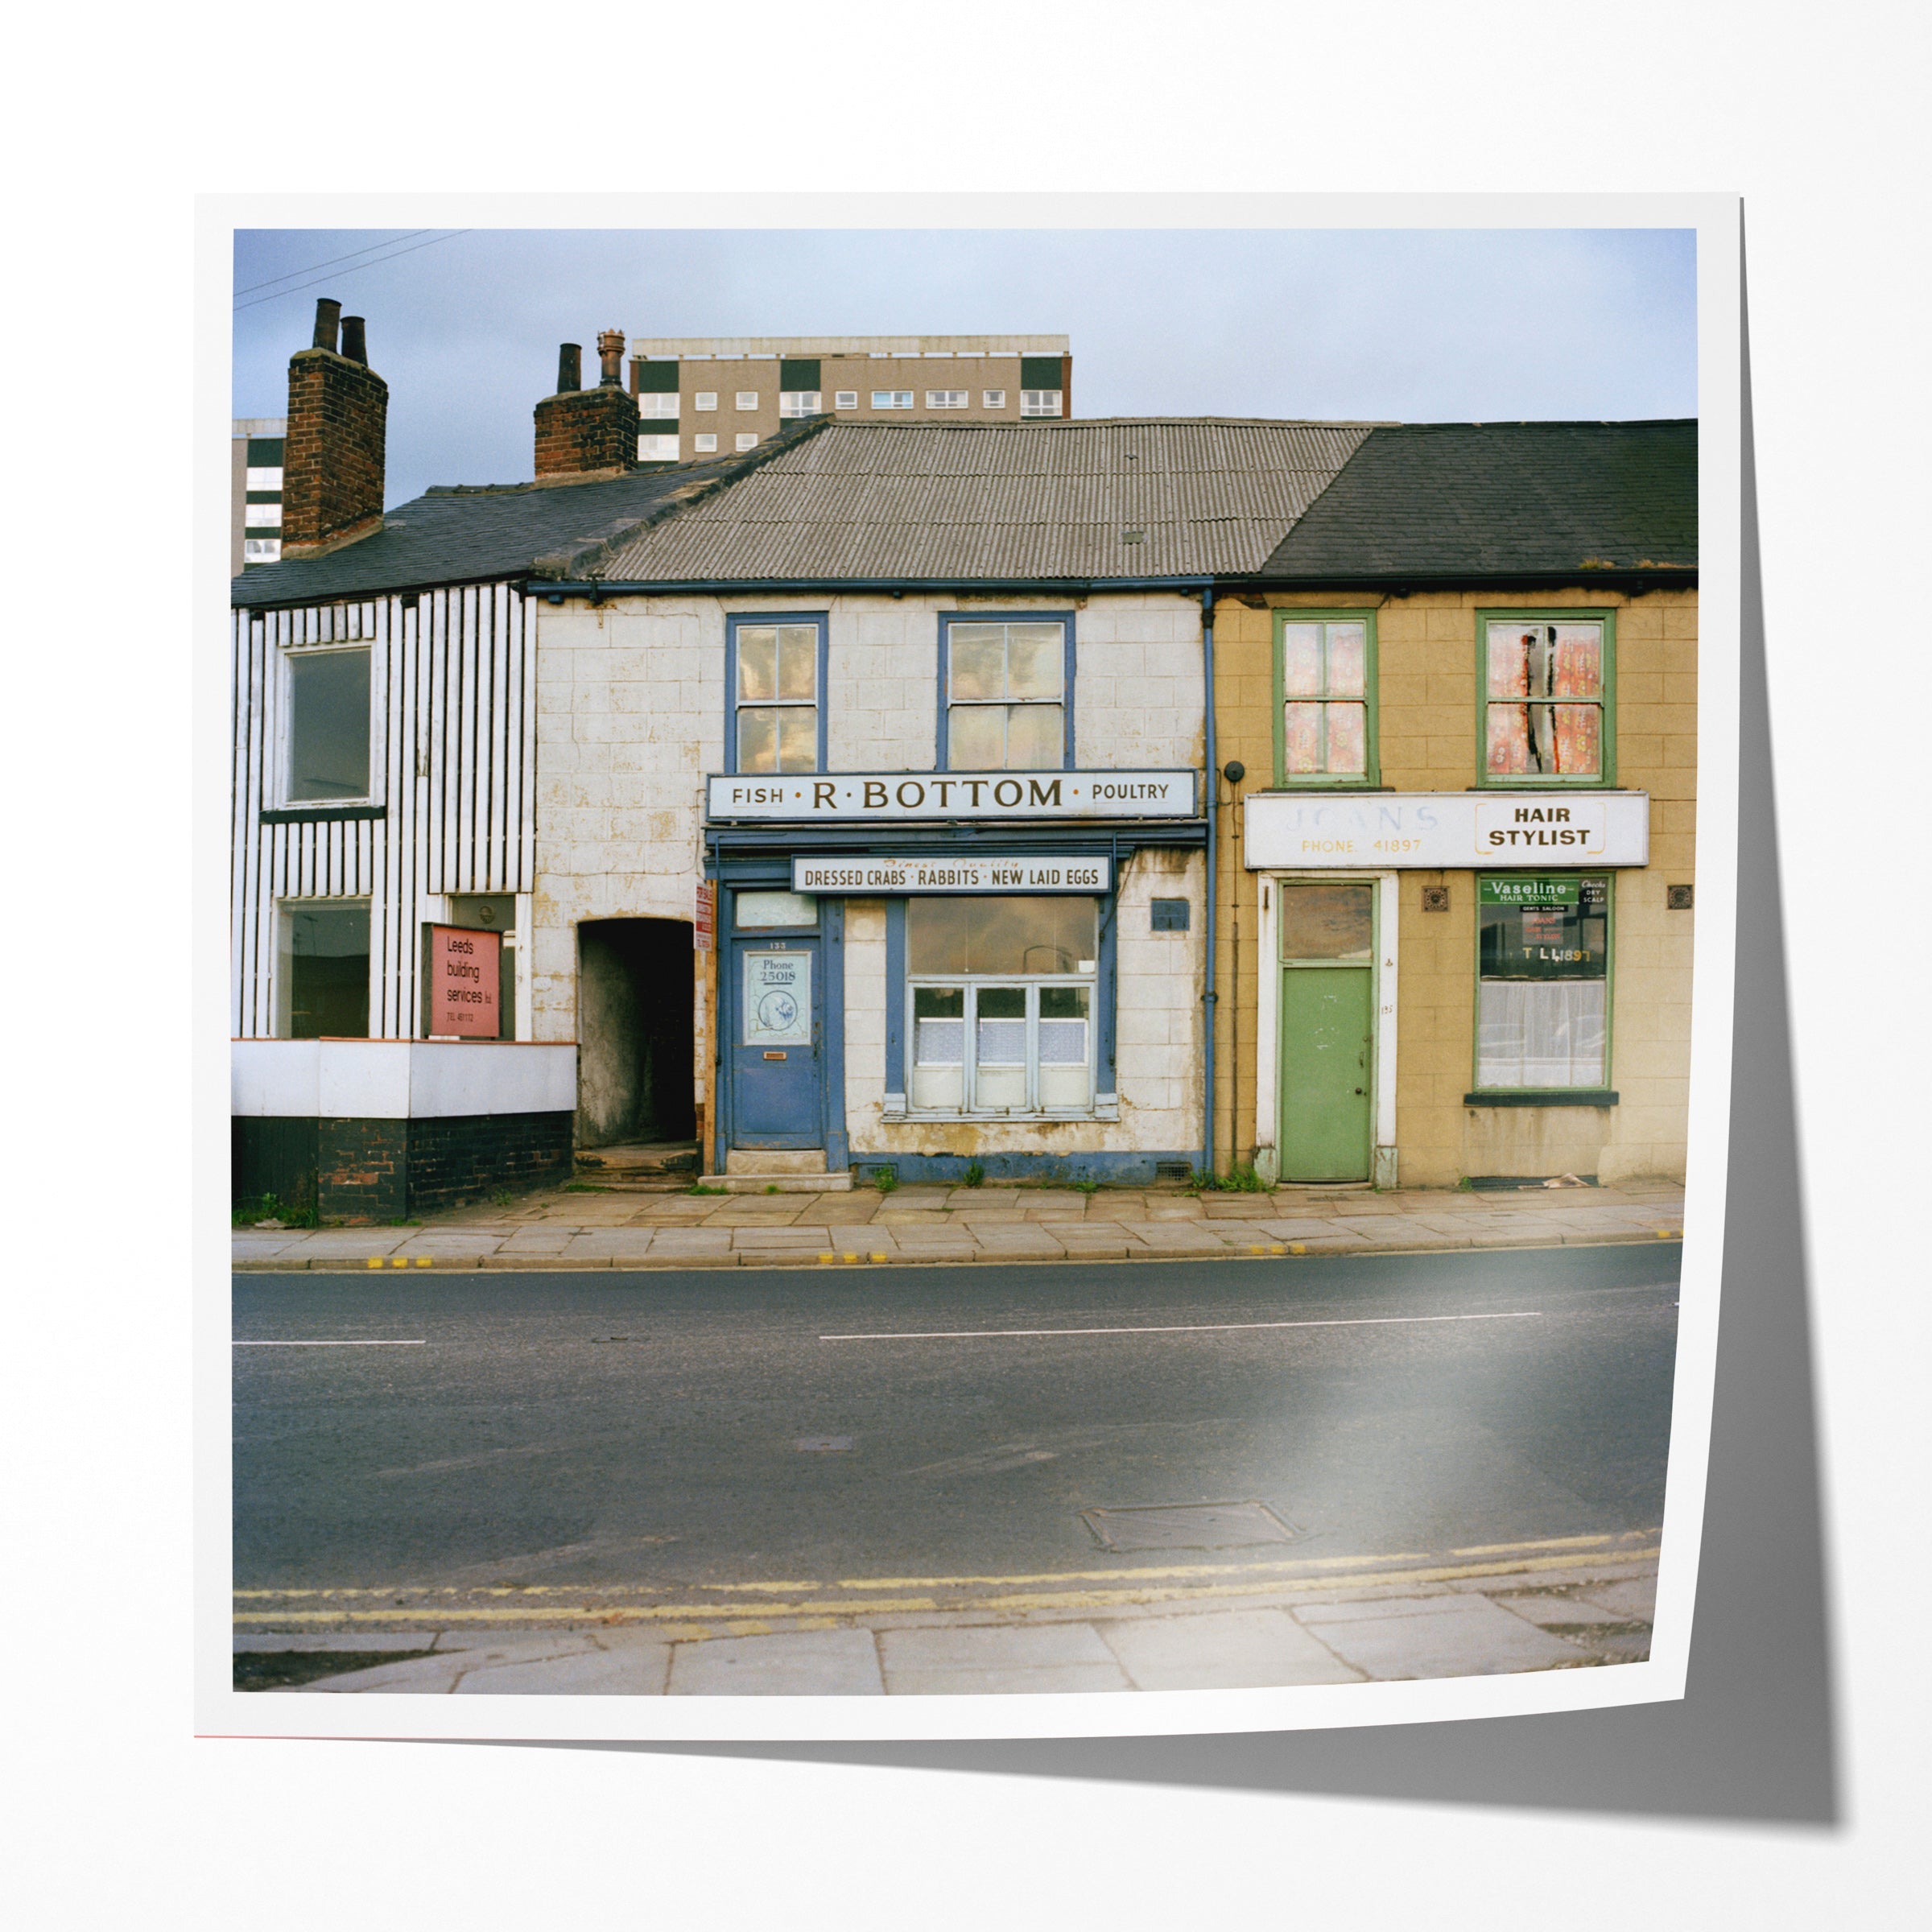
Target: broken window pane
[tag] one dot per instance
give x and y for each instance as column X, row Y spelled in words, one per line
column 327, row 725
column 1327, row 921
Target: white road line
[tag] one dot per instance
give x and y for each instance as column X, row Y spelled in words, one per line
column 1365, row 1321
column 418, row 1344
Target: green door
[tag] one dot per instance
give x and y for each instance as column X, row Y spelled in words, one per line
column 1327, row 1033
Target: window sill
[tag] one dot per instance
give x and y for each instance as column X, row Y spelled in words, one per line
column 1543, row 1096
column 321, row 814
column 908, row 1117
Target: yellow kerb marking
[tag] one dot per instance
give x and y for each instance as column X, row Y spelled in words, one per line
column 375, row 1260
column 1297, row 1247
column 852, row 1257
column 878, row 1257
column 828, row 1257
column 422, row 1260
column 400, row 1262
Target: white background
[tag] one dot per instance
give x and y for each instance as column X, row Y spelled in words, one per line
column 119, row 1817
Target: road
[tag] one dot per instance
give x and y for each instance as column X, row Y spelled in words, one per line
column 611, row 1430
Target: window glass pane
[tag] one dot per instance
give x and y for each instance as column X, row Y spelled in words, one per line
column 1347, row 738
column 758, row 739
column 1579, row 739
column 328, row 724
column 1301, row 737
column 976, row 737
column 1001, row 936
column 938, row 1026
column 326, row 970
column 999, row 1030
column 1036, row 661
column 798, row 661
column 935, row 934
column 1543, row 928
column 799, row 738
column 758, row 910
column 1512, row 647
column 1540, row 1034
column 757, row 663
column 1063, row 1025
column 1508, row 738
column 1577, row 661
column 1327, row 921
column 1347, row 660
column 977, row 660
column 1036, row 737
column 1301, row 660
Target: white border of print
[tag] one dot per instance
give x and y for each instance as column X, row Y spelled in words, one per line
column 221, row 1710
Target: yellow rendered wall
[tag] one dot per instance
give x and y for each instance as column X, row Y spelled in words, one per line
column 1427, row 729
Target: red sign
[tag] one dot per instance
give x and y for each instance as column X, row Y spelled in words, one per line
column 463, row 981
column 704, row 921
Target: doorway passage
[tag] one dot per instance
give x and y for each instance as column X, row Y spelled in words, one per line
column 634, row 1000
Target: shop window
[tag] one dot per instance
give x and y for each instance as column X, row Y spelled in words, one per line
column 1006, row 690
column 1543, row 989
column 1001, row 995
column 1324, row 669
column 777, row 675
column 322, row 969
column 327, row 737
column 1547, row 680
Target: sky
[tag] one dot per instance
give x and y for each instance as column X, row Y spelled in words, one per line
column 1402, row 325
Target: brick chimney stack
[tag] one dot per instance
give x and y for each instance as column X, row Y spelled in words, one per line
column 331, row 462
column 587, row 432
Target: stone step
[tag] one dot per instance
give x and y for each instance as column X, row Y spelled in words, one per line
column 768, row 1163
column 636, row 1161
column 820, row 1182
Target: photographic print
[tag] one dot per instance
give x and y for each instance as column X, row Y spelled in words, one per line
column 978, row 977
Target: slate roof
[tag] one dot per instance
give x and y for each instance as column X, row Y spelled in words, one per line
column 1472, row 499
column 472, row 534
column 1002, row 501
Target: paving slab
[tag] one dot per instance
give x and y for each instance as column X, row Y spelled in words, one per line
column 1025, row 1658
column 1223, row 1650
column 1559, row 1613
column 1436, row 1636
column 251, row 1642
column 432, row 1676
column 793, row 1663
column 1633, row 1599
column 637, row 1670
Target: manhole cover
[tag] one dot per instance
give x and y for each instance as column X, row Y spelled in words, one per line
column 1187, row 1526
column 824, row 1442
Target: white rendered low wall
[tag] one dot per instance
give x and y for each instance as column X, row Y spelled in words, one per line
column 400, row 1080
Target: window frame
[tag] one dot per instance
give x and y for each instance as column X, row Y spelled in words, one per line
column 1603, row 1093
column 744, row 401
column 796, row 405
column 659, row 437
column 706, row 399
column 1064, row 619
column 892, row 398
column 285, row 708
column 1371, row 778
column 844, row 399
column 703, row 442
column 943, row 398
column 1603, row 780
column 1103, row 1100
column 1040, row 410
column 282, row 987
column 992, row 399
column 743, row 439
column 737, row 621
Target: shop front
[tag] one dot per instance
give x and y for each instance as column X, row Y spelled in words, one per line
column 924, row 975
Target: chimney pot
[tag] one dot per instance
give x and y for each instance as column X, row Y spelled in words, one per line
column 354, row 344
column 569, row 367
column 327, row 315
column 610, row 353
column 332, row 460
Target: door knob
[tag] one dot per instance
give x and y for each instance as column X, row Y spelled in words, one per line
column 1361, row 1090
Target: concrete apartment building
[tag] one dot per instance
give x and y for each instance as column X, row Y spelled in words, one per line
column 254, row 520
column 702, row 396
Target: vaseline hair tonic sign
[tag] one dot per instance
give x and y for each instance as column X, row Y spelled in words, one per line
column 852, row 797
column 1387, row 831
column 463, row 982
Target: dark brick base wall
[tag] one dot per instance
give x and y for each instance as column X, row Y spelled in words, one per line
column 384, row 1171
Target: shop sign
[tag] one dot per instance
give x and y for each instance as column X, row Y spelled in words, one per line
column 911, row 875
column 1387, row 831
column 855, row 797
column 704, row 916
column 463, row 984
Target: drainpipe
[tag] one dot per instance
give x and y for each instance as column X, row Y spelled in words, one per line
column 1209, row 998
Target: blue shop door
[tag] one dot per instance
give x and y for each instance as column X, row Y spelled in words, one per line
column 777, row 1044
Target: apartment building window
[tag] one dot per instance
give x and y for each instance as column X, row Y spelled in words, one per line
column 322, row 969
column 1542, row 989
column 659, row 408
column 1043, row 386
column 326, row 726
column 747, row 398
column 1006, row 686
column 1548, row 708
column 1001, row 995
column 892, row 398
column 747, row 438
column 776, row 676
column 1324, row 698
column 1040, row 402
column 657, row 449
column 845, row 399
column 262, row 501
column 948, row 399
column 705, row 399
column 992, row 399
column 800, row 402
column 703, row 443
column 657, row 387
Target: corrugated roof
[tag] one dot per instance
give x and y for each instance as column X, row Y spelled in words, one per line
column 1468, row 499
column 923, row 500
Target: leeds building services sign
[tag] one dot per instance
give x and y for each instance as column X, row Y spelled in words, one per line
column 895, row 875
column 855, row 798
column 1389, row 830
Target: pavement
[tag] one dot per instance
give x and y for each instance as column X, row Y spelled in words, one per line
column 1565, row 1603
column 580, row 1227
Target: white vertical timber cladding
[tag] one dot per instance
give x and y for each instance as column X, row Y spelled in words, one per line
column 452, row 747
